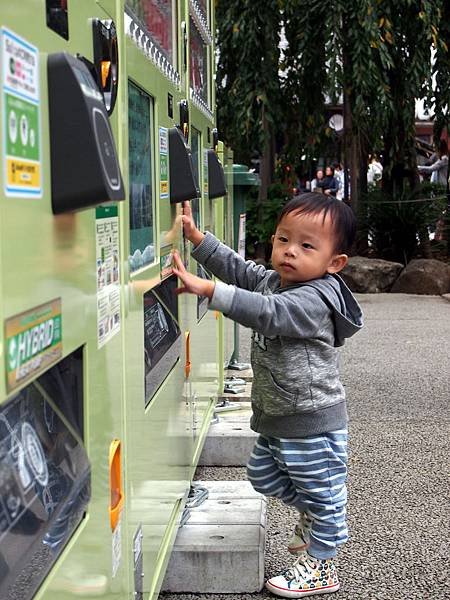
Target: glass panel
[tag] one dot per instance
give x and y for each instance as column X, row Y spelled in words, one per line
column 158, row 18
column 45, row 476
column 161, row 334
column 195, row 149
column 202, row 301
column 198, row 62
column 142, row 248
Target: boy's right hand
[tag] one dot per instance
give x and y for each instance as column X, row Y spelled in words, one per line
column 190, row 229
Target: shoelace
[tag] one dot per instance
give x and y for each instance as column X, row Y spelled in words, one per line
column 301, row 569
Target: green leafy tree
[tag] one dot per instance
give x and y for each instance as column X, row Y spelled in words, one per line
column 248, row 90
column 372, row 55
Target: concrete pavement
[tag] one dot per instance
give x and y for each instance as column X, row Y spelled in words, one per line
column 397, row 377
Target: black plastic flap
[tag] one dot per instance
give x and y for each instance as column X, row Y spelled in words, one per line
column 84, row 164
column 183, row 184
column 216, row 177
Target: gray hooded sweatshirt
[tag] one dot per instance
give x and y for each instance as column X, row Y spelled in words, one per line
column 297, row 329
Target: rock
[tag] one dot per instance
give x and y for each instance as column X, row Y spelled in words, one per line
column 370, row 275
column 424, row 276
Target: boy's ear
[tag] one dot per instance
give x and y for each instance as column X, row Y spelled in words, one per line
column 337, row 263
column 271, row 239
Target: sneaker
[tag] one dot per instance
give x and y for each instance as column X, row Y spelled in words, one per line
column 307, row 577
column 299, row 541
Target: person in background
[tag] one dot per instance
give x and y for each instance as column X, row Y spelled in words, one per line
column 339, row 176
column 317, row 182
column 374, row 171
column 439, row 169
column 330, row 183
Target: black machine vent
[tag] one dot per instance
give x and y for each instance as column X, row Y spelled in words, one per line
column 183, row 183
column 216, row 177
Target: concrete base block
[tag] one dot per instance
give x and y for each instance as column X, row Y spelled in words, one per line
column 221, row 547
column 243, row 396
column 247, row 374
column 230, row 441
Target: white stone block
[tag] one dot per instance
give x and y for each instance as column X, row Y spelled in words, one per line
column 221, row 548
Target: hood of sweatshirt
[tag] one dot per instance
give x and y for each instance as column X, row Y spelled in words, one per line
column 347, row 314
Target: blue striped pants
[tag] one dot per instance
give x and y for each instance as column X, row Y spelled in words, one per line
column 308, row 473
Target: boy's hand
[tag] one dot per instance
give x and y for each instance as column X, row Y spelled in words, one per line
column 190, row 229
column 191, row 283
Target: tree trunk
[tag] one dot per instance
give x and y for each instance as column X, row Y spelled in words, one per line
column 265, row 166
column 266, row 175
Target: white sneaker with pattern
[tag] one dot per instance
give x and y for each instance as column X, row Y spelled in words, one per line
column 307, row 577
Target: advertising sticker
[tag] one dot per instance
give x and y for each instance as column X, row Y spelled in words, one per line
column 33, row 341
column 205, row 173
column 21, row 117
column 163, row 164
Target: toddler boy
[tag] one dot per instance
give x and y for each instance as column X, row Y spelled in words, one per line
column 300, row 313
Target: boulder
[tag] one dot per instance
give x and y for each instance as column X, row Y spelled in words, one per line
column 423, row 276
column 370, row 275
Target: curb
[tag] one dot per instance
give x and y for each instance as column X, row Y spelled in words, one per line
column 446, row 297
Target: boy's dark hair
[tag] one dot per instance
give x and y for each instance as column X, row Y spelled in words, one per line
column 342, row 216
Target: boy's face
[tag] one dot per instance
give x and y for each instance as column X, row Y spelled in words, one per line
column 303, row 248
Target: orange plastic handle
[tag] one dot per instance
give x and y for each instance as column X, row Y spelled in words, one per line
column 115, row 483
column 105, row 67
column 187, row 366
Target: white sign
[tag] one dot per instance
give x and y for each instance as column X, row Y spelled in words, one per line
column 116, row 548
column 241, row 237
column 107, row 266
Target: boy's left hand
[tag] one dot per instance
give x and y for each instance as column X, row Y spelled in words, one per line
column 192, row 283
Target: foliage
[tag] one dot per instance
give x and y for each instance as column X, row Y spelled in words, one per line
column 395, row 225
column 373, row 55
column 247, row 74
column 439, row 98
column 260, row 231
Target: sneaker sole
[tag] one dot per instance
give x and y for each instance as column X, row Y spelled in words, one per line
column 287, row 593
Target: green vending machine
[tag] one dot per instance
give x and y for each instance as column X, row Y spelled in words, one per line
column 170, row 358
column 206, row 328
column 62, row 523
column 157, row 416
column 109, row 379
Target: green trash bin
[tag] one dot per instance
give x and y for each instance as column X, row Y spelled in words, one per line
column 243, row 180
